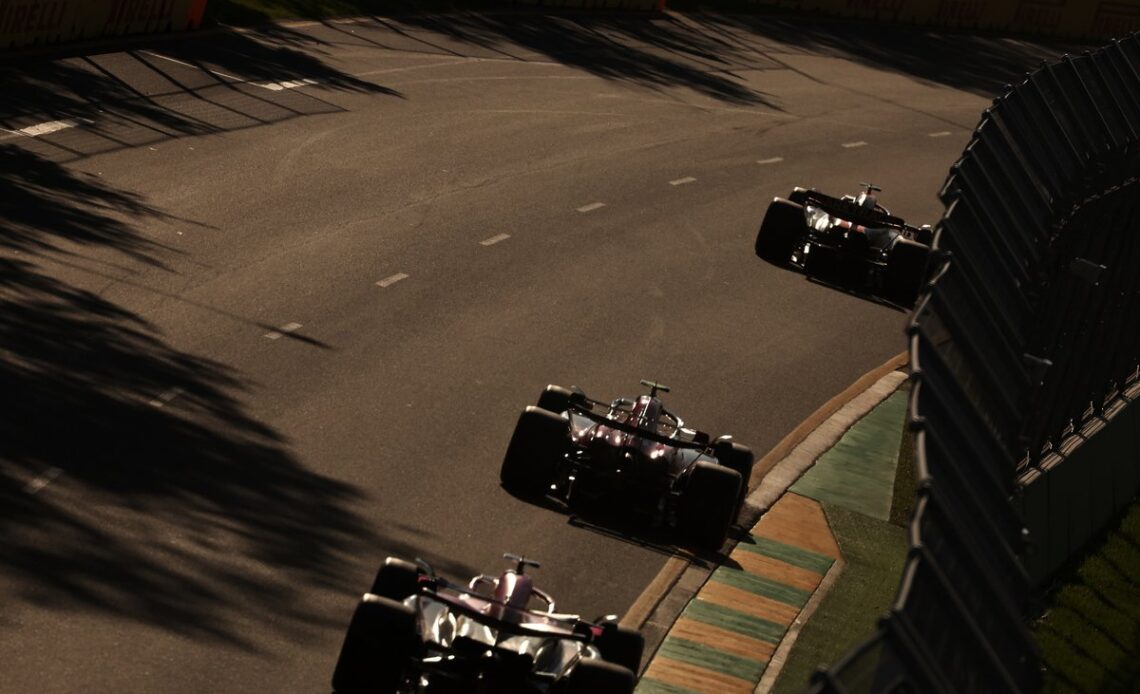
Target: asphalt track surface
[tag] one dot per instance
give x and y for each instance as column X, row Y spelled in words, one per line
column 272, row 301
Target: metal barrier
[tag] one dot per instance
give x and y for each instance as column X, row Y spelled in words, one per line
column 26, row 23
column 1024, row 349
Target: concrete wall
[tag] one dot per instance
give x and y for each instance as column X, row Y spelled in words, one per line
column 38, row 22
column 1091, row 19
column 1075, row 494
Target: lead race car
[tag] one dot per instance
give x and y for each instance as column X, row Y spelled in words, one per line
column 852, row 241
column 634, row 452
column 414, row 631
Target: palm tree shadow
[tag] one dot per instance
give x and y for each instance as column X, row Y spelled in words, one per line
column 134, row 480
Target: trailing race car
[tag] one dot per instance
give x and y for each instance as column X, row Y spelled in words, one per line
column 853, row 241
column 634, row 452
column 413, row 631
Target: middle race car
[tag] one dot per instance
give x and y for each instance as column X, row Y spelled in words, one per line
column 633, row 452
column 851, row 241
column 415, row 631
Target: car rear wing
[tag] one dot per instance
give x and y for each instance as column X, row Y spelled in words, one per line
column 568, row 626
column 849, row 210
column 582, row 405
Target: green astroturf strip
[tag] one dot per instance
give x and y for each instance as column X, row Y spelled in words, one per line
column 733, row 620
column 1090, row 632
column 859, row 471
column 789, row 554
column 648, row 685
column 698, row 654
column 789, row 595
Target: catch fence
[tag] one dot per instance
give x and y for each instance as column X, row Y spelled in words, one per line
column 1024, row 350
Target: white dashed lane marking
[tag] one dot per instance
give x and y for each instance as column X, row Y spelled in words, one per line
column 280, row 332
column 291, row 84
column 940, row 133
column 191, row 65
column 682, row 181
column 46, row 128
column 42, row 481
column 392, row 279
column 770, row 160
column 591, row 207
column 166, row 397
column 853, row 145
column 495, row 239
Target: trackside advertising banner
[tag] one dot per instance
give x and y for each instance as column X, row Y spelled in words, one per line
column 37, row 22
column 1093, row 19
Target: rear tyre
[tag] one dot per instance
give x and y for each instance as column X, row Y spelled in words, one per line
column 622, row 646
column 906, row 271
column 781, row 230
column 396, row 579
column 532, row 456
column 738, row 457
column 597, row 676
column 555, row 399
column 380, row 640
column 708, row 504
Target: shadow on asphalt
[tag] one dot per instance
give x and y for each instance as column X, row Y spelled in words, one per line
column 980, row 65
column 133, row 480
column 652, row 51
column 215, row 83
column 225, row 81
column 706, row 52
column 620, row 524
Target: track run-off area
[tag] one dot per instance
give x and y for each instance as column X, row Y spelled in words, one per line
column 273, row 300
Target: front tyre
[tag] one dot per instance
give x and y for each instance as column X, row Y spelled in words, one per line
column 380, row 640
column 396, row 579
column 738, row 457
column 537, row 446
column 780, row 232
column 555, row 399
column 906, row 271
column 622, row 646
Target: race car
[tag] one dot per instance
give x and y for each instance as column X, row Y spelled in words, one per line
column 632, row 452
column 414, row 631
column 851, row 241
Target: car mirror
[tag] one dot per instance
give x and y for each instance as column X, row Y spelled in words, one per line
column 427, row 568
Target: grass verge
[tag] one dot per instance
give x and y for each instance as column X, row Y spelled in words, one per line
column 875, row 552
column 1090, row 633
column 902, row 502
